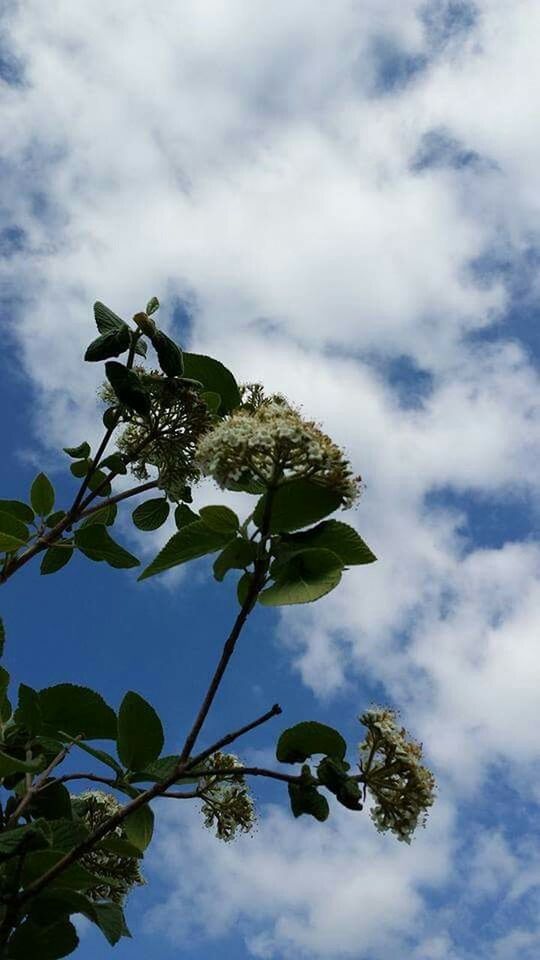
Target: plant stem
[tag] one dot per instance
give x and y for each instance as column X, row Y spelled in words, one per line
column 257, row 582
column 157, row 790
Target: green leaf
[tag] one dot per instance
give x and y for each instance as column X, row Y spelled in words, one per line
column 304, row 578
column 151, row 514
column 17, row 509
column 243, row 588
column 305, row 739
column 296, row 504
column 170, row 356
column 54, row 803
column 42, row 495
column 109, row 345
column 77, row 710
column 183, row 515
column 307, row 799
column 215, row 378
column 152, row 306
column 97, row 544
column 31, row 940
column 111, row 921
column 99, row 480
column 333, row 535
column 160, row 769
column 106, row 320
column 82, row 452
column 55, row 518
column 30, row 837
column 99, row 755
column 139, row 827
column 192, row 541
column 212, row 400
column 74, row 877
column 114, row 462
column 9, row 544
column 127, row 387
column 220, row 518
column 109, row 417
column 67, row 833
column 349, row 795
column 122, row 848
column 141, row 348
column 140, row 733
column 11, row 527
column 332, row 773
column 80, row 468
column 106, row 515
column 237, row 555
column 106, row 915
column 55, row 558
column 28, row 712
column 9, row 765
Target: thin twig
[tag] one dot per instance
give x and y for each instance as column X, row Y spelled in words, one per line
column 132, row 492
column 157, row 790
column 230, row 643
column 37, row 785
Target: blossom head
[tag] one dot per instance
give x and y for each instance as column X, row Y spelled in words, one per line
column 115, row 875
column 271, row 443
column 403, row 789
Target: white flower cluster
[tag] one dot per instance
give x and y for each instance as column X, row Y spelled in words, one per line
column 273, row 442
column 227, row 804
column 403, row 789
column 115, row 875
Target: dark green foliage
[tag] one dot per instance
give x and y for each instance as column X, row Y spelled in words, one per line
column 106, row 320
column 237, row 555
column 296, row 504
column 139, row 827
column 42, row 495
column 77, row 711
column 82, row 452
column 307, row 799
column 333, row 535
column 305, row 739
column 17, row 509
column 109, row 344
column 169, row 354
column 152, row 306
column 215, row 378
column 128, row 387
column 140, row 734
column 13, row 532
column 32, row 940
column 55, row 558
column 192, row 541
column 183, row 515
column 305, row 577
column 97, row 544
column 220, row 518
column 151, row 514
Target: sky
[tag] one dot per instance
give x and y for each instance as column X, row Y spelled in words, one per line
column 340, row 200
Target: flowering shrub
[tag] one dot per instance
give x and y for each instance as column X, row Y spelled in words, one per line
column 65, row 853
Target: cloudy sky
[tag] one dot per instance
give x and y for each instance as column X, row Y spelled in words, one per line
column 341, row 200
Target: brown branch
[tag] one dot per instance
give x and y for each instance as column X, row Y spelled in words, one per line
column 132, row 492
column 256, row 584
column 244, row 772
column 157, row 790
column 231, row 737
column 38, row 784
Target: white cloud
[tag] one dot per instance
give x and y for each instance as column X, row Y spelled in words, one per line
column 238, row 155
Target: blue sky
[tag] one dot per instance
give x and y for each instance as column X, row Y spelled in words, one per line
column 341, row 202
